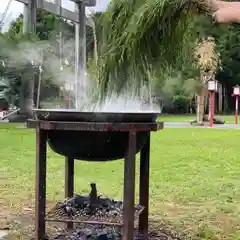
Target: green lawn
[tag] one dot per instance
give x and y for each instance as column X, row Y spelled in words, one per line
column 187, row 118
column 195, row 178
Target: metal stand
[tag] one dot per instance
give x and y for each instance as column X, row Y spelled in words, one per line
column 129, row 188
column 41, row 167
column 144, row 186
column 69, row 182
column 129, row 181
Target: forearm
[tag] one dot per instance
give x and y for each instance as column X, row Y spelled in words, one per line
column 227, row 15
column 223, row 4
column 234, row 17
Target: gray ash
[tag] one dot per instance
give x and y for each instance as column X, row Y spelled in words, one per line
column 94, row 233
column 101, row 233
column 92, row 207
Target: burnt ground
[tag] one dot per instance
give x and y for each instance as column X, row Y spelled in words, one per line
column 20, row 226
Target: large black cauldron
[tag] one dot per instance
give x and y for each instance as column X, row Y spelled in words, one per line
column 93, row 146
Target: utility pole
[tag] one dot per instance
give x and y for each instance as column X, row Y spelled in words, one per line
column 22, row 100
column 29, row 26
column 59, row 6
column 3, row 16
column 79, row 18
column 25, row 18
column 80, row 53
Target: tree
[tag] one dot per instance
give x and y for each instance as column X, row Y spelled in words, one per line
column 46, row 36
column 207, row 60
column 227, row 44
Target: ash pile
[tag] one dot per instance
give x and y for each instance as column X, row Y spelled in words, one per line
column 97, row 232
column 91, row 208
column 91, row 232
column 95, row 217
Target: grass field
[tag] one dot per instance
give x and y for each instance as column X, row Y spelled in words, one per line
column 195, row 178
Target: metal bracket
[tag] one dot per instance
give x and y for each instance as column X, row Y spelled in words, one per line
column 88, row 3
column 23, row 1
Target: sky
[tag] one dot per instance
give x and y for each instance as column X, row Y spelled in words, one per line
column 16, row 7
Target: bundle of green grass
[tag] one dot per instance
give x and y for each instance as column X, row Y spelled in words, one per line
column 140, row 37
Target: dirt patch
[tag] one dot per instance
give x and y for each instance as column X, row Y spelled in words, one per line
column 21, row 227
column 19, row 220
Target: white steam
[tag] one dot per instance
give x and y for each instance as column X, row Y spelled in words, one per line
column 43, row 55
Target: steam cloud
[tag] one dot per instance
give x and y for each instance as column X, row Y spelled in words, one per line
column 45, row 55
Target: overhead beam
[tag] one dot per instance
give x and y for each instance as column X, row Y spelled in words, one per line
column 23, row 1
column 88, row 3
column 54, row 8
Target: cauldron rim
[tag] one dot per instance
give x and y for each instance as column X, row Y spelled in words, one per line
column 74, row 115
column 63, row 110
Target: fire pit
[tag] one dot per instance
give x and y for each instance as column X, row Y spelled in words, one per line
column 95, row 137
column 94, row 145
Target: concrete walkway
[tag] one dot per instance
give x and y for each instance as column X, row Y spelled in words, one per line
column 178, row 125
column 3, row 234
column 188, row 125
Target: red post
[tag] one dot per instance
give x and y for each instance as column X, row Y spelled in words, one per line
column 236, row 94
column 212, row 107
column 69, row 100
column 236, row 110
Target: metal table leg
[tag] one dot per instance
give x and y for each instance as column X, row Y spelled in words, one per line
column 40, row 200
column 144, row 187
column 129, row 188
column 69, row 182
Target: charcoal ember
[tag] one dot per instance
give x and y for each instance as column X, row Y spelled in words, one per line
column 94, row 233
column 77, row 201
column 103, row 207
column 108, row 233
column 93, row 198
column 92, row 207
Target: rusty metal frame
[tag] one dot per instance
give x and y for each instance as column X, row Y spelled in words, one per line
column 144, row 186
column 129, row 188
column 69, row 182
column 95, row 127
column 40, row 189
column 42, row 128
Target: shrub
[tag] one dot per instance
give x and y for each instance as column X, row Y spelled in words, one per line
column 181, row 104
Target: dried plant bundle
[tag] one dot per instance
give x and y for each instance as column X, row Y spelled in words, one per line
column 141, row 36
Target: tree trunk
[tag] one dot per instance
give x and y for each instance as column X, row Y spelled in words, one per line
column 200, row 105
column 22, row 102
column 225, row 100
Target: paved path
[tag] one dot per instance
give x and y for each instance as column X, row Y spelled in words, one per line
column 3, row 121
column 3, row 234
column 178, row 125
column 188, row 125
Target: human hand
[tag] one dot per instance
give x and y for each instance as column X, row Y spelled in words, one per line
column 227, row 15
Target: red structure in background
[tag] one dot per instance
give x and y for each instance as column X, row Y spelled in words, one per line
column 68, row 89
column 212, row 88
column 236, row 94
column 4, row 106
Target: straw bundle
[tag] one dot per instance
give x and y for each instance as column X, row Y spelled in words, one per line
column 141, row 36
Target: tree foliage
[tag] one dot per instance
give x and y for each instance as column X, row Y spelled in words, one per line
column 17, row 72
column 179, row 81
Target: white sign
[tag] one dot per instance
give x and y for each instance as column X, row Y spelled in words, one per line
column 212, row 85
column 236, row 90
column 68, row 87
column 3, row 114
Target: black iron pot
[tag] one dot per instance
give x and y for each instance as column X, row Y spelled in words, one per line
column 93, row 146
